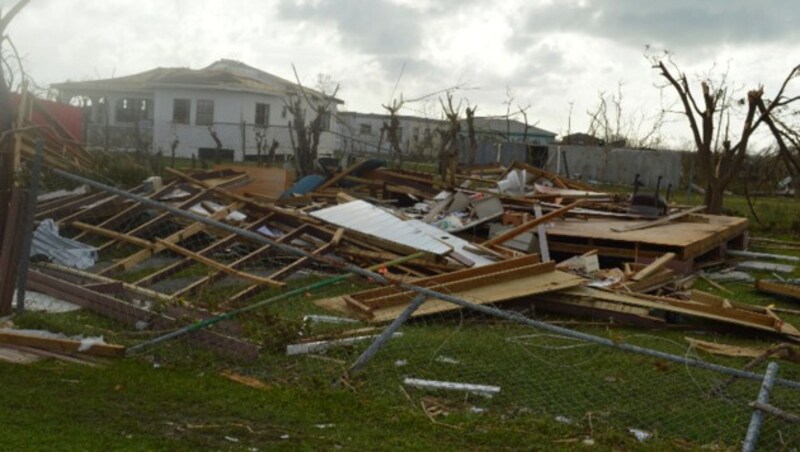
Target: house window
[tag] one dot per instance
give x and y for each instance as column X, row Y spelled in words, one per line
column 325, row 121
column 262, row 115
column 204, row 116
column 181, row 109
column 366, row 129
column 415, row 134
column 284, row 111
column 132, row 110
column 400, row 133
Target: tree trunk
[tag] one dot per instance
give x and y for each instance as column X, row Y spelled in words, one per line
column 715, row 195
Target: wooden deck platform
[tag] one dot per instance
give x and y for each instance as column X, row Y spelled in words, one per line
column 698, row 236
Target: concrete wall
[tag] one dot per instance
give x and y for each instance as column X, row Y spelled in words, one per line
column 619, row 165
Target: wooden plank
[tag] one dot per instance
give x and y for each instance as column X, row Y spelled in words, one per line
column 732, row 315
column 544, row 251
column 654, row 266
column 454, row 276
column 219, row 266
column 527, row 226
column 660, row 221
column 221, row 191
column 69, row 205
column 496, row 279
column 687, row 240
column 185, row 233
column 778, row 288
column 133, row 316
column 118, row 236
column 59, row 271
column 59, row 345
column 488, row 293
column 187, row 262
column 129, row 210
column 16, row 356
column 242, row 260
column 299, row 263
column 338, row 176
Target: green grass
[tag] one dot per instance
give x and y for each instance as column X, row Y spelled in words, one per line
column 131, row 405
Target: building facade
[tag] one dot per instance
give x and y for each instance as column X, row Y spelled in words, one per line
column 165, row 107
column 360, row 133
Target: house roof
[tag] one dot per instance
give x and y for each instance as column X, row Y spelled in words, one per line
column 223, row 74
column 506, row 126
column 383, row 116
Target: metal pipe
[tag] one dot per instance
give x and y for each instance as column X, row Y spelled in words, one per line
column 754, row 428
column 377, row 278
column 386, row 334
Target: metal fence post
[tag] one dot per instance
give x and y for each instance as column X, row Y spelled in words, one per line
column 386, row 334
column 30, row 209
column 754, row 428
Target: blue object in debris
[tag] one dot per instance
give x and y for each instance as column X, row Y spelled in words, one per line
column 305, row 185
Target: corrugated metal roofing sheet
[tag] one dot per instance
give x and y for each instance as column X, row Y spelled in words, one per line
column 365, row 218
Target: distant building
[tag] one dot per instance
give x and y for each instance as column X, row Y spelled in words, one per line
column 585, row 139
column 501, row 129
column 361, row 132
column 154, row 108
column 582, row 139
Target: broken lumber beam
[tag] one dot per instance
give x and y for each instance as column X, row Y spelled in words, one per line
column 219, row 266
column 660, row 221
column 653, row 267
column 778, row 288
column 60, row 345
column 118, row 236
column 528, row 225
column 134, row 316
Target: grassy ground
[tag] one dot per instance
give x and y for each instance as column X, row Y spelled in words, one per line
column 131, row 405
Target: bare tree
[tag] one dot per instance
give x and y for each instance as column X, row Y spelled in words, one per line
column 612, row 126
column 787, row 139
column 306, row 137
column 217, row 145
column 719, row 154
column 261, row 144
column 6, row 110
column 392, row 130
column 172, row 147
column 448, row 147
column 473, row 141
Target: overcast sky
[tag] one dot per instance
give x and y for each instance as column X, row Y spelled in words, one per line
column 548, row 54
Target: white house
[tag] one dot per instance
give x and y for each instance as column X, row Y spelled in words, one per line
column 361, row 132
column 153, row 109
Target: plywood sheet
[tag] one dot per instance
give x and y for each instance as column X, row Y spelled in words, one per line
column 266, row 181
column 490, row 293
column 693, row 238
